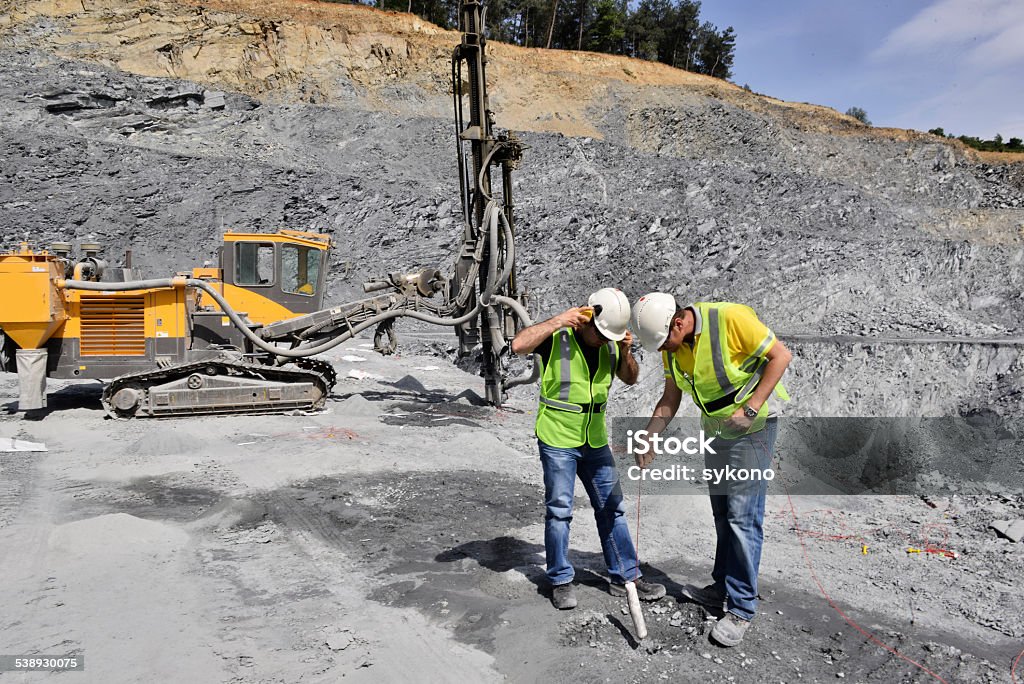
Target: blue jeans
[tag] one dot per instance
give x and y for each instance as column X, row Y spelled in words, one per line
column 596, row 469
column 739, row 518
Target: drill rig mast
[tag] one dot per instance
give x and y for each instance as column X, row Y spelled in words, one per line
column 479, row 150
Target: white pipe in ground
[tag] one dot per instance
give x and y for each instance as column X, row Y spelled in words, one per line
column 639, row 626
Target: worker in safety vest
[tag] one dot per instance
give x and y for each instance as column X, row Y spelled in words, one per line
column 730, row 364
column 580, row 351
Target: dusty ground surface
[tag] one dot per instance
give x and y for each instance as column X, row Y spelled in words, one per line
column 398, row 535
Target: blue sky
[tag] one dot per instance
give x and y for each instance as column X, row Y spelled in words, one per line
column 919, row 64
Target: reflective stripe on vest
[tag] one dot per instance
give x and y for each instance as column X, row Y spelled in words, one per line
column 754, row 360
column 570, row 412
column 564, row 352
column 718, row 352
column 561, row 405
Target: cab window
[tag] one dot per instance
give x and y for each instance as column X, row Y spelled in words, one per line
column 254, row 263
column 300, row 269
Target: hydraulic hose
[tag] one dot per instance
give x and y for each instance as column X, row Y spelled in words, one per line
column 516, row 307
column 534, row 373
column 151, row 284
column 484, row 166
column 491, row 214
column 300, row 352
column 163, row 283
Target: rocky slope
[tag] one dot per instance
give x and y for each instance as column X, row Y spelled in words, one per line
column 155, row 126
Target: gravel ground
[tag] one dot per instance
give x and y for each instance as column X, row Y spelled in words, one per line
column 399, row 534
column 355, row 558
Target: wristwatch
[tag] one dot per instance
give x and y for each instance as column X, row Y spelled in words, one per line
column 749, row 412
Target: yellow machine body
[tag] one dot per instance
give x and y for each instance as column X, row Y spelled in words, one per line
column 32, row 307
column 88, row 334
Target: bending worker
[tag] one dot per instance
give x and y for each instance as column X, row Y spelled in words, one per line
column 580, row 350
column 730, row 364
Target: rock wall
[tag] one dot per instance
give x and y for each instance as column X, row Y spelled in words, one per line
column 157, row 127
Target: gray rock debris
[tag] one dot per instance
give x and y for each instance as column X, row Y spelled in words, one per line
column 1011, row 529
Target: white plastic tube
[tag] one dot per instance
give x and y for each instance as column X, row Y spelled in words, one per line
column 639, row 626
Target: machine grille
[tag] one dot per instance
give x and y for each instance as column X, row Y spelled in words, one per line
column 113, row 325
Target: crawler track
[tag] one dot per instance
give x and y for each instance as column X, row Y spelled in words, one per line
column 219, row 385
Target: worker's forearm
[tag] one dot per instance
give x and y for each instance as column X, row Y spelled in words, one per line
column 528, row 339
column 663, row 414
column 773, row 373
column 628, row 370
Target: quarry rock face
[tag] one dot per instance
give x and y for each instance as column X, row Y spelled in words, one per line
column 155, row 128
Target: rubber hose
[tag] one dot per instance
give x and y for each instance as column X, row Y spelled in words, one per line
column 534, row 374
column 299, row 352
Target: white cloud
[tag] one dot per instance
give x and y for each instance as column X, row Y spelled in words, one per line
column 983, row 32
column 1006, row 47
column 980, row 108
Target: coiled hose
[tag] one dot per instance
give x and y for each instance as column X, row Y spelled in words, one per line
column 487, row 298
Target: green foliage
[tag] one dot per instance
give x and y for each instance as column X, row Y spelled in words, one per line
column 646, row 30
column 996, row 144
column 607, row 32
column 716, row 51
column 444, row 13
column 859, row 114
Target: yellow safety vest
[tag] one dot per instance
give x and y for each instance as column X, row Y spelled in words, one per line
column 571, row 409
column 719, row 386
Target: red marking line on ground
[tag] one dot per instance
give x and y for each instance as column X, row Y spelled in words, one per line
column 810, row 567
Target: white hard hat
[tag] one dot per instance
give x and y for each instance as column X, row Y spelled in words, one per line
column 611, row 312
column 652, row 319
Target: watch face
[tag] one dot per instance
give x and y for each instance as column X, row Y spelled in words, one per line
column 750, row 413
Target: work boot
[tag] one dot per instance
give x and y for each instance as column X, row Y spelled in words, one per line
column 729, row 630
column 711, row 596
column 646, row 591
column 563, row 596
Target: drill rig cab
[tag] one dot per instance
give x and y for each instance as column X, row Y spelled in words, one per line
column 288, row 268
column 269, row 277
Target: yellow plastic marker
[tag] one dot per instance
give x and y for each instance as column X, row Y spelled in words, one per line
column 863, row 549
column 913, row 550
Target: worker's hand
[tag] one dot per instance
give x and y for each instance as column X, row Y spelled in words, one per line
column 738, row 423
column 574, row 318
column 644, row 460
column 626, row 342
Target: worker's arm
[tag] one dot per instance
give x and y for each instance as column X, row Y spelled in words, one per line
column 778, row 361
column 528, row 339
column 628, row 370
column 663, row 414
